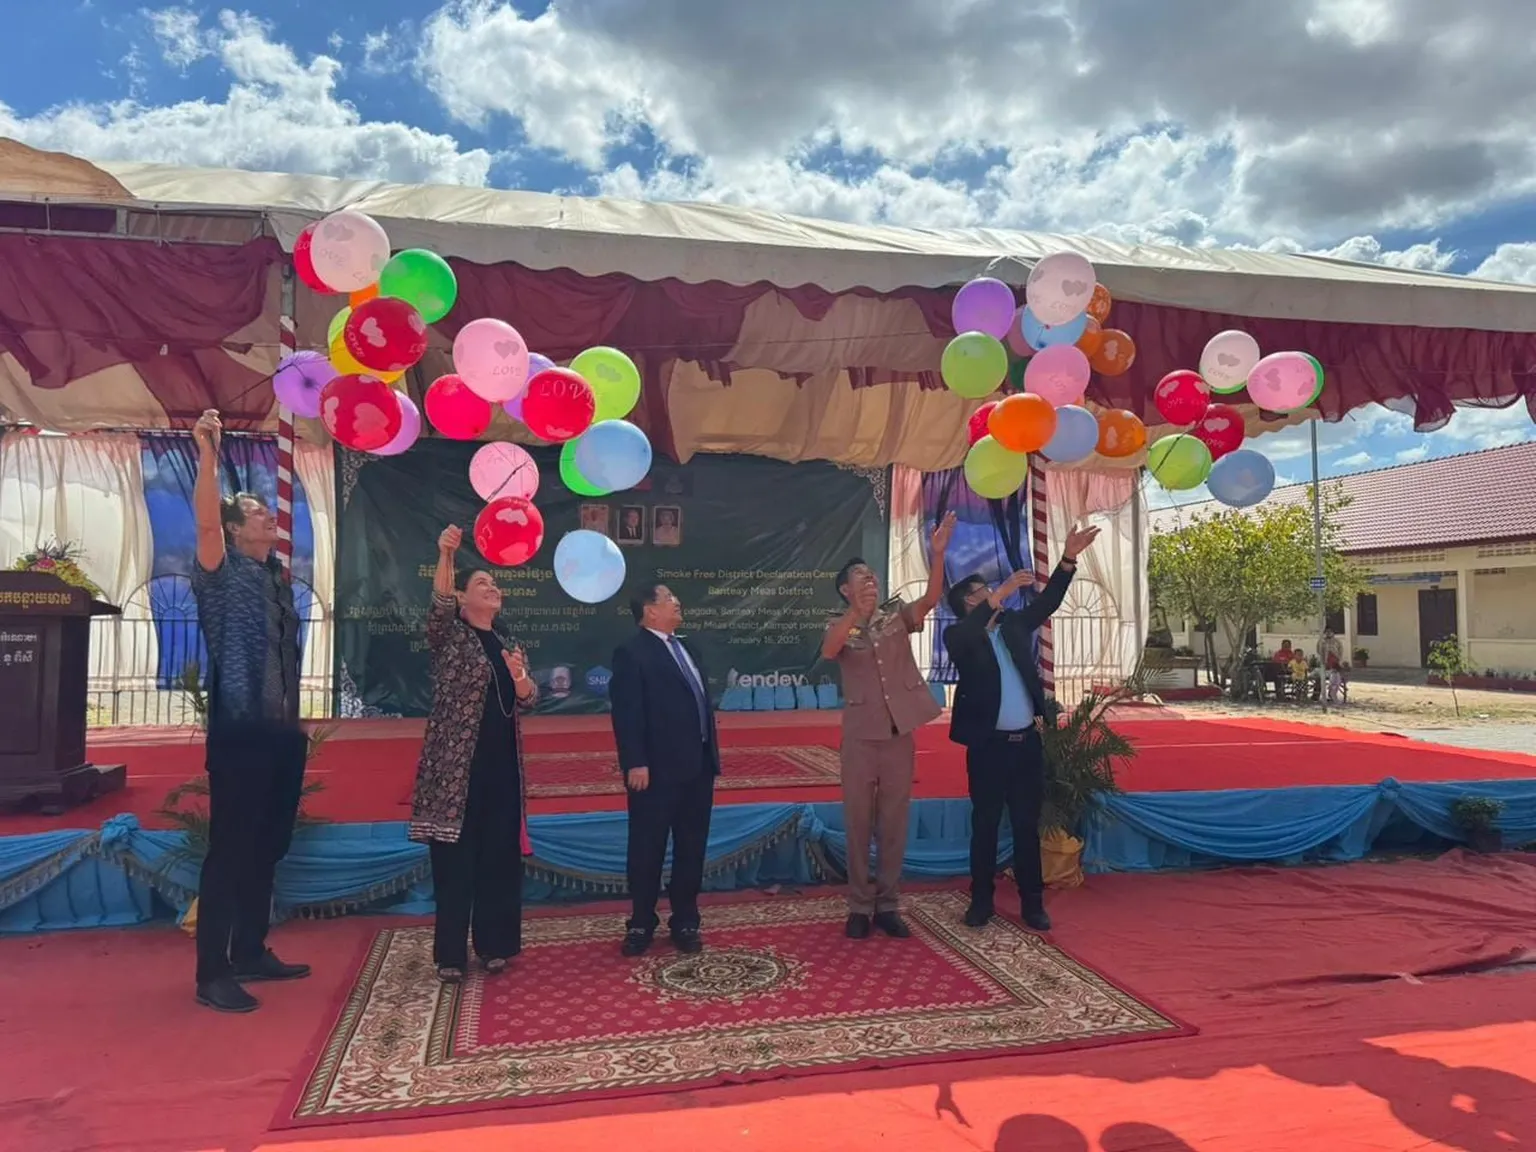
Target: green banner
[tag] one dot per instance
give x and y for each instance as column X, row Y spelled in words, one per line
column 749, row 545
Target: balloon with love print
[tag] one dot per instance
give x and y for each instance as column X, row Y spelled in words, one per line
column 1220, row 429
column 615, row 382
column 304, row 263
column 360, row 412
column 1283, row 382
column 1121, row 434
column 558, row 405
column 1023, row 422
column 1076, row 437
column 348, row 250
column 410, row 428
column 1241, row 479
column 976, row 428
column 456, row 411
column 1093, row 336
column 1115, row 355
column 1228, row 358
column 1060, row 287
column 984, row 305
column 1100, row 304
column 492, row 358
column 1181, row 397
column 1059, row 374
column 509, row 531
column 501, row 469
column 385, row 335
column 345, row 364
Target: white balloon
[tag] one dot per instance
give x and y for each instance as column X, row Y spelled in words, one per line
column 348, row 250
column 1228, row 358
column 1060, row 288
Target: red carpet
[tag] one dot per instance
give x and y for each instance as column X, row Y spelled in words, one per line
column 1339, row 1009
column 370, row 765
column 779, row 991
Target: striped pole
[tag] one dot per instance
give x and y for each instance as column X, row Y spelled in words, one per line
column 1039, row 517
column 288, row 338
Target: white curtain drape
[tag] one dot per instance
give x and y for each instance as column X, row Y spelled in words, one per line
column 88, row 492
column 315, row 467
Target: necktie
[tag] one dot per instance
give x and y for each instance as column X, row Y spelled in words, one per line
column 686, row 669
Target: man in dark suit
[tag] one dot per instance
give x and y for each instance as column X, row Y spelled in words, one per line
column 999, row 713
column 664, row 727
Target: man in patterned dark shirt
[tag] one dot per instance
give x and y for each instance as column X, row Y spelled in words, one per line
column 256, row 747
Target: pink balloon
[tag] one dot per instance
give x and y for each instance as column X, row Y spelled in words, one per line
column 1019, row 346
column 492, row 358
column 500, row 469
column 1060, row 288
column 1059, row 373
column 1283, row 382
column 348, row 250
column 410, row 428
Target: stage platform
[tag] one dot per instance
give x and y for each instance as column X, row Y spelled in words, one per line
column 1199, row 793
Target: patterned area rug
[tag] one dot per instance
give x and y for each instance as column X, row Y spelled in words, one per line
column 597, row 773
column 778, row 991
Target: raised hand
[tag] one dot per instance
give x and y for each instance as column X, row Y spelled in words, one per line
column 517, row 664
column 208, row 431
column 1077, row 540
column 450, row 539
column 942, row 534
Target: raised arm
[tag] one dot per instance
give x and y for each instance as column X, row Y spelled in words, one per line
column 206, row 434
column 444, row 604
column 1044, row 606
column 918, row 612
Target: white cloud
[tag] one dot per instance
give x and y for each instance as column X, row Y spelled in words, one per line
column 1413, row 455
column 1512, row 262
column 1357, row 460
column 280, row 114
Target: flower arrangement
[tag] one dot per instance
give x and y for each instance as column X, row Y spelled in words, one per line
column 61, row 560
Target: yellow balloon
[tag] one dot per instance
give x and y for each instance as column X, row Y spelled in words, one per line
column 342, row 361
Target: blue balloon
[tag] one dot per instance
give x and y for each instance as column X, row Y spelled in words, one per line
column 1241, row 479
column 613, row 455
column 589, row 566
column 1077, row 436
column 1038, row 335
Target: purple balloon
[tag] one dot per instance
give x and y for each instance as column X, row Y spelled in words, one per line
column 536, row 364
column 984, row 305
column 299, row 380
column 410, row 428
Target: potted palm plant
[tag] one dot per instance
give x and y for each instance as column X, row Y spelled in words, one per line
column 1080, row 755
column 1477, row 817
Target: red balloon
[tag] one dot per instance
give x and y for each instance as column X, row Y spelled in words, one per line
column 360, row 412
column 558, row 405
column 978, row 425
column 385, row 334
column 1220, row 430
column 456, row 410
column 509, row 531
column 1182, row 397
column 305, row 267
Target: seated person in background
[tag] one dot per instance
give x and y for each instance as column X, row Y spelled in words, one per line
column 1286, row 656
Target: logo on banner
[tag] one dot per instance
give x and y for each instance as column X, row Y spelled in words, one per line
column 597, row 680
column 735, row 679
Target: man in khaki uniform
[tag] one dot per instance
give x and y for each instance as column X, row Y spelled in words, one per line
column 886, row 701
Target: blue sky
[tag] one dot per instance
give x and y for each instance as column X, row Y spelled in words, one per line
column 1394, row 131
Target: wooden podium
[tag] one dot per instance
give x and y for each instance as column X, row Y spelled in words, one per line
column 45, row 640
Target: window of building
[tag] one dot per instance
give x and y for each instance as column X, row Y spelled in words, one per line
column 1334, row 621
column 1365, row 614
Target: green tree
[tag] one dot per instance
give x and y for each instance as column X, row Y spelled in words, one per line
column 1448, row 660
column 1237, row 569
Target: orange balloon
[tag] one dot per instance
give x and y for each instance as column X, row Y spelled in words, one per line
column 1091, row 339
column 363, row 295
column 343, row 362
column 1116, row 354
column 1099, row 304
column 1023, row 422
column 1121, row 434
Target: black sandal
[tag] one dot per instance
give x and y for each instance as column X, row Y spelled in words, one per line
column 450, row 975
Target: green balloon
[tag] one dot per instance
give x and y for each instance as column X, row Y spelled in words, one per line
column 1317, row 366
column 974, row 364
column 571, row 476
column 615, row 381
column 423, row 280
column 992, row 471
column 338, row 322
column 1179, row 462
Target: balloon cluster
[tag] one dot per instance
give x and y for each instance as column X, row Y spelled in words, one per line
column 1212, row 451
column 1060, row 330
column 382, row 332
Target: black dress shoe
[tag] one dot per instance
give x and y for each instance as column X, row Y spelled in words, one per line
column 978, row 915
column 687, row 941
column 637, row 942
column 226, row 995
column 269, row 968
column 1036, row 920
column 857, row 927
column 892, row 925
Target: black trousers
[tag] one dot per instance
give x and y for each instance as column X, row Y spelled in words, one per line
column 255, row 777
column 682, row 810
column 477, row 882
column 1008, row 771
